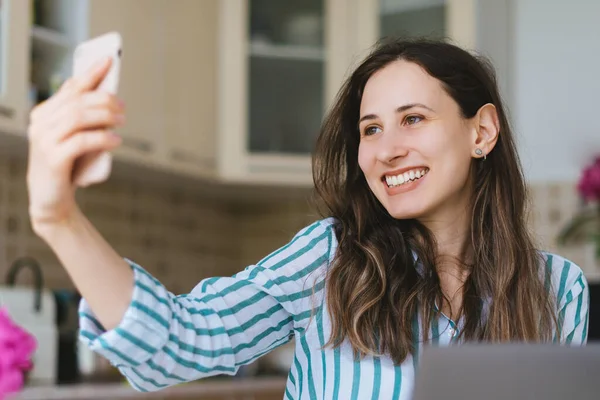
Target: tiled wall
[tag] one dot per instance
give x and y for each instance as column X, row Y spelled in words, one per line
column 181, row 236
column 178, row 234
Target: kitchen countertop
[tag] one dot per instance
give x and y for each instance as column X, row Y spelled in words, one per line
column 207, row 388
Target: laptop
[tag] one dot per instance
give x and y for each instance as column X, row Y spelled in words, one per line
column 509, row 371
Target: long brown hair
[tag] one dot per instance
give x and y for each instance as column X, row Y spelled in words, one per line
column 374, row 291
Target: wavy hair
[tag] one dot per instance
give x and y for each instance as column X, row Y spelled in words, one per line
column 374, row 291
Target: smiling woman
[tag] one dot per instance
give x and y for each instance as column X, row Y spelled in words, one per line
column 423, row 242
column 411, row 124
column 418, row 166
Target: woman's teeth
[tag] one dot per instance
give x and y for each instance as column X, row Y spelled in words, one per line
column 408, row 176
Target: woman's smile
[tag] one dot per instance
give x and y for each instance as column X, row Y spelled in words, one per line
column 402, row 182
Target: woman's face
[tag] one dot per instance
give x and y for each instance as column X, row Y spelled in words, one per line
column 415, row 148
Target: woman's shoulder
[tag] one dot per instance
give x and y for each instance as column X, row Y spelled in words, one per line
column 563, row 274
column 314, row 241
column 318, row 227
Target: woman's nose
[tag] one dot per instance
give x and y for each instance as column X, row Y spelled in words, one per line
column 391, row 146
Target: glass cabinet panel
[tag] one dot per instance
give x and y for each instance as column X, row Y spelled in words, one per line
column 56, row 29
column 286, row 75
column 413, row 18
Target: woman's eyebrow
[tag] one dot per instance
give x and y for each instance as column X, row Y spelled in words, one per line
column 398, row 110
column 413, row 105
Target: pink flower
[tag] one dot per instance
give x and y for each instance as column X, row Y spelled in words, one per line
column 589, row 184
column 16, row 348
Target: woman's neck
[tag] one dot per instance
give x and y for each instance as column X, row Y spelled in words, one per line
column 451, row 233
column 453, row 255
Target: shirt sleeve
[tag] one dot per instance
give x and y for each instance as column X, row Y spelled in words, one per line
column 224, row 323
column 573, row 300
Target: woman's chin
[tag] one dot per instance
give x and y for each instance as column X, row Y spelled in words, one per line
column 405, row 212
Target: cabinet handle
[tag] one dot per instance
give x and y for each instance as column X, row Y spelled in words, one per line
column 138, row 144
column 6, row 112
column 185, row 157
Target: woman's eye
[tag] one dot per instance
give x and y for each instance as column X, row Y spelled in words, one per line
column 412, row 119
column 371, row 130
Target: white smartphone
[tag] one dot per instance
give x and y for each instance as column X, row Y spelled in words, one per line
column 96, row 167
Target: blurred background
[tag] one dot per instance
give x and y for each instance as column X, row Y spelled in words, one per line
column 224, row 101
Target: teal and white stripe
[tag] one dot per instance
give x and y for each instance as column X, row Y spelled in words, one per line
column 225, row 323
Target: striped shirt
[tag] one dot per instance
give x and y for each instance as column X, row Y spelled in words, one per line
column 228, row 322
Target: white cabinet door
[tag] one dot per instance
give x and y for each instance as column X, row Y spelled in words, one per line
column 142, row 79
column 14, row 65
column 280, row 64
column 190, row 54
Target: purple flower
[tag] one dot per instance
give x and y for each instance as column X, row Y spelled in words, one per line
column 589, row 184
column 16, row 348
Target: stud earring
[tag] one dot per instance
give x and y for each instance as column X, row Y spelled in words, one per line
column 479, row 152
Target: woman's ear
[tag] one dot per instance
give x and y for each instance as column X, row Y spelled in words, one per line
column 486, row 130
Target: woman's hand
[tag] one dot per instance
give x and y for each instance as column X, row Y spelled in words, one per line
column 75, row 121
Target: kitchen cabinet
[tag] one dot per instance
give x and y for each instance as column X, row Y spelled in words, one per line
column 167, row 71
column 55, row 27
column 189, row 84
column 227, row 90
column 282, row 63
column 280, row 66
column 14, row 54
column 142, row 71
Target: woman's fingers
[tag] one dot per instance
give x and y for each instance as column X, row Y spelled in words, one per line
column 87, row 81
column 71, row 88
column 64, row 114
column 90, row 110
column 83, row 117
column 100, row 99
column 87, row 142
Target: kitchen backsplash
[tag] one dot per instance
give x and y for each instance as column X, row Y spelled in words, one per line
column 181, row 236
